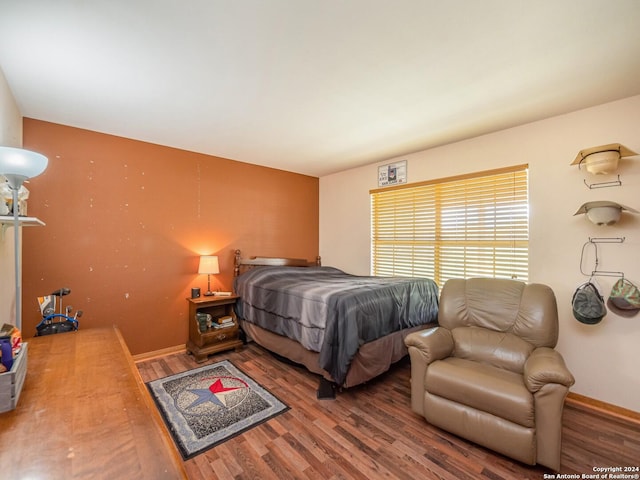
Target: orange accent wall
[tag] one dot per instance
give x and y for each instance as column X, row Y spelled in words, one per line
column 126, row 221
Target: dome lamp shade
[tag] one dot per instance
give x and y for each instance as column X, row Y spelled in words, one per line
column 18, row 164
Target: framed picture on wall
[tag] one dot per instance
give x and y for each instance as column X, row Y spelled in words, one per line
column 392, row 174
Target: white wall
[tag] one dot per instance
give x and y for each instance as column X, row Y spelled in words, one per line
column 11, row 136
column 602, row 357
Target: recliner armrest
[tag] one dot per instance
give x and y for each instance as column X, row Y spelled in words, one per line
column 433, row 343
column 545, row 365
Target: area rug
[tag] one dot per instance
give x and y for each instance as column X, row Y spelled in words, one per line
column 208, row 405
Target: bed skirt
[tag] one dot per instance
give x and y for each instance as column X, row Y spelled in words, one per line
column 372, row 359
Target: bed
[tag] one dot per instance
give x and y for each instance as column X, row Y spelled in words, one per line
column 346, row 328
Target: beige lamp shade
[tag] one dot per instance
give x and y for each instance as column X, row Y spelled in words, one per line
column 603, row 159
column 208, row 265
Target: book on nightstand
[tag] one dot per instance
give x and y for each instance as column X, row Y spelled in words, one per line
column 218, row 326
column 225, row 319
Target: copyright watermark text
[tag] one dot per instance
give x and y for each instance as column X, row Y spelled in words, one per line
column 600, row 473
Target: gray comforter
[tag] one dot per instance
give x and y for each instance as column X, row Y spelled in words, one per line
column 332, row 312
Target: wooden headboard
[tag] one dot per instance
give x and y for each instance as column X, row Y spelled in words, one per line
column 247, row 263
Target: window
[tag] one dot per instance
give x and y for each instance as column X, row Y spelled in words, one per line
column 459, row 227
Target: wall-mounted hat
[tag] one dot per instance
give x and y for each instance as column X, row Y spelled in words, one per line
column 602, row 159
column 588, row 305
column 624, row 298
column 603, row 212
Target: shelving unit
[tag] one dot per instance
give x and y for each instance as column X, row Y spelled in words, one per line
column 6, row 221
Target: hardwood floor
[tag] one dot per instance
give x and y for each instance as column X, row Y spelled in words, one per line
column 370, row 432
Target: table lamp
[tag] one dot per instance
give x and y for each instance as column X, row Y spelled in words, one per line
column 208, row 265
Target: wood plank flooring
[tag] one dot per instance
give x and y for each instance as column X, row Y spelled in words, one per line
column 370, row 432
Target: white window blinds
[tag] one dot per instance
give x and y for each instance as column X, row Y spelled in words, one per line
column 459, row 227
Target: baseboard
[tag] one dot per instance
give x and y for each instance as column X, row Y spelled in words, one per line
column 587, row 403
column 158, row 353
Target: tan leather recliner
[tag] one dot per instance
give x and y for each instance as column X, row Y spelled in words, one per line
column 489, row 372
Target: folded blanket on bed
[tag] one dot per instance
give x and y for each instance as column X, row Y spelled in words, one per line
column 332, row 312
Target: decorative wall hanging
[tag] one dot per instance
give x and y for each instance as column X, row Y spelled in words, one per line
column 603, row 212
column 602, row 160
column 392, row 174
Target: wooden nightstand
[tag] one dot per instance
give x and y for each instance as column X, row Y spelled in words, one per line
column 212, row 340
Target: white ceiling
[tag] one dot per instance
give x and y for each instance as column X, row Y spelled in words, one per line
column 314, row 86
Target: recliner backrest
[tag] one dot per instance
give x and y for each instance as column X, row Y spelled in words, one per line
column 498, row 321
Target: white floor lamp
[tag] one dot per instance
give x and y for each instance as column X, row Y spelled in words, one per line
column 17, row 165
